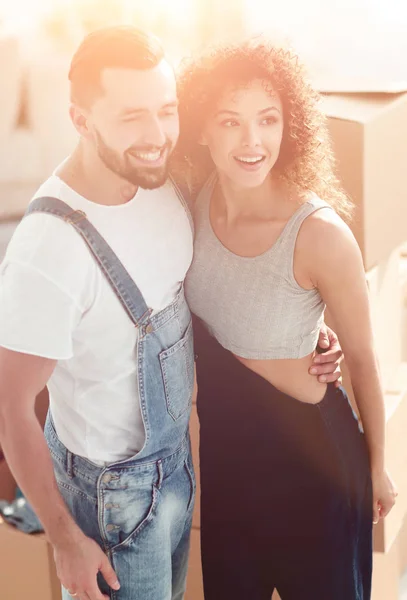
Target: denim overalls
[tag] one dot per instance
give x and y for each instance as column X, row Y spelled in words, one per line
column 138, row 510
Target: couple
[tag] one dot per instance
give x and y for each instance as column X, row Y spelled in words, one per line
column 92, row 304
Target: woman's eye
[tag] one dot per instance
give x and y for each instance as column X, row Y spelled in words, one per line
column 269, row 121
column 229, row 123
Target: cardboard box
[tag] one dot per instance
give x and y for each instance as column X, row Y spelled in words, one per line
column 386, row 579
column 385, row 296
column 12, row 73
column 26, row 566
column 368, row 126
column 403, row 286
column 8, row 485
column 402, row 548
column 387, row 531
column 48, row 107
column 388, row 569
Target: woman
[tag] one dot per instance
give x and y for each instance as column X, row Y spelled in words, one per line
column 290, row 484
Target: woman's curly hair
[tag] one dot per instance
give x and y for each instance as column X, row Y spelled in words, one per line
column 305, row 161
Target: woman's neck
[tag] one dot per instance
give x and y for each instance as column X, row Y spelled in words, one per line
column 235, row 202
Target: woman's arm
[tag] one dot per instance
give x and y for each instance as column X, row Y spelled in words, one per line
column 328, row 252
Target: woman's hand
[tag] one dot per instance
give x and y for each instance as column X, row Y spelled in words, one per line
column 384, row 495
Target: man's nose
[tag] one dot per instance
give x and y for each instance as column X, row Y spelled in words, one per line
column 154, row 134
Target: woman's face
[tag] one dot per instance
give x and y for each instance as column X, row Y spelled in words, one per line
column 244, row 133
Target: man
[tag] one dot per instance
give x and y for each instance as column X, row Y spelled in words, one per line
column 92, row 305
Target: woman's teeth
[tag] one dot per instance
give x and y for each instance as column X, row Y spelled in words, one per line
column 251, row 160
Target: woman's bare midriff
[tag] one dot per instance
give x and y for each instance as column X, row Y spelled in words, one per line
column 290, row 376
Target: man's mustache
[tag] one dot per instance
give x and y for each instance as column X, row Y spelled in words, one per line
column 136, row 149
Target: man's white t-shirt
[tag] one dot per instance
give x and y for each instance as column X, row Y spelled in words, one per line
column 56, row 303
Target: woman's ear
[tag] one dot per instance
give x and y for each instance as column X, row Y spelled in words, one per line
column 202, row 139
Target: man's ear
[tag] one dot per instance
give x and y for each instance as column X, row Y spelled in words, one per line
column 79, row 119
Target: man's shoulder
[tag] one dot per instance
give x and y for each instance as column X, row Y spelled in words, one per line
column 40, row 229
column 50, row 246
column 40, row 236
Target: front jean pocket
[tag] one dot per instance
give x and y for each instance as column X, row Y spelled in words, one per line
column 189, row 468
column 177, row 366
column 127, row 512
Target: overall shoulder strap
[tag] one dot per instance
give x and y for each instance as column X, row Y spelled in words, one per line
column 113, row 269
column 185, row 197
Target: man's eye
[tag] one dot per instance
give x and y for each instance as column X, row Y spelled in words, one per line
column 131, row 119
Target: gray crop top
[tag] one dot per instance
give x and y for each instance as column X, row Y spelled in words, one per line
column 253, row 306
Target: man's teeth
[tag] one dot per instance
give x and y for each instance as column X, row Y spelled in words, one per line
column 152, row 156
column 250, row 159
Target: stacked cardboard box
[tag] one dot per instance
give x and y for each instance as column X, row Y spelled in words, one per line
column 27, row 567
column 20, row 553
column 368, row 126
column 19, row 156
column 403, row 283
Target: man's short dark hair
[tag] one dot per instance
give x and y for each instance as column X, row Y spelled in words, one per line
column 110, row 47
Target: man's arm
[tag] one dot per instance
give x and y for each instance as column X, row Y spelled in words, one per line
column 78, row 559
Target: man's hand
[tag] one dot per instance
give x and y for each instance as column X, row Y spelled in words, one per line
column 326, row 366
column 78, row 562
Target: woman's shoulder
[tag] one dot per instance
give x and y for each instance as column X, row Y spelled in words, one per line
column 323, row 216
column 325, row 244
column 323, row 229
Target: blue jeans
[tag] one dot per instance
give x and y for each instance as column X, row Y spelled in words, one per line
column 139, row 513
column 138, row 510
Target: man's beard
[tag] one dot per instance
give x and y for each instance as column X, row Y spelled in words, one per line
column 147, row 178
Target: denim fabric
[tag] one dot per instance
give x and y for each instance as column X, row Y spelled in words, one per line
column 20, row 514
column 139, row 510
column 286, row 492
column 165, row 348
